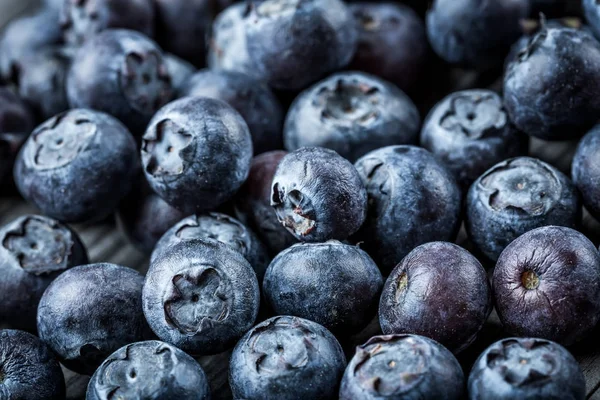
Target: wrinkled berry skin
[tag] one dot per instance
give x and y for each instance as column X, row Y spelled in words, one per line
column 307, row 276
column 318, row 195
column 24, row 36
column 16, row 122
column 34, row 250
column 591, row 11
column 549, row 89
column 392, row 43
column 474, row 33
column 144, row 216
column 180, row 71
column 250, row 97
column 150, row 370
column 77, row 166
column 286, row 358
column 90, row 311
column 547, row 284
column 470, row 132
column 201, row 296
column 409, row 367
column 352, row 113
column 526, row 368
column 438, row 290
column 316, row 37
column 514, row 197
column 121, row 73
column 196, row 153
column 253, row 203
column 585, row 170
column 221, row 228
column 406, row 183
column 182, row 26
column 28, row 369
column 81, row 20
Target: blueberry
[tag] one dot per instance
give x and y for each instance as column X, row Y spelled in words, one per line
column 475, row 33
column 250, row 97
column 27, row 35
column 413, row 199
column 514, row 197
column 549, row 89
column 527, row 368
column 439, row 290
column 591, row 10
column 316, row 37
column 150, row 370
column 402, row 367
column 547, row 284
column 77, row 166
column 351, row 113
column 180, row 71
column 221, row 228
column 28, row 369
column 227, row 48
column 286, row 358
column 470, row 132
column 586, row 170
column 82, row 19
column 307, row 276
column 90, row 311
column 318, row 195
column 122, row 73
column 16, row 122
column 144, row 216
column 183, row 25
column 392, row 43
column 34, row 251
column 196, row 153
column 201, row 296
column 253, row 204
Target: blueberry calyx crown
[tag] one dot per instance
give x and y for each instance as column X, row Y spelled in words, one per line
column 162, row 147
column 474, row 115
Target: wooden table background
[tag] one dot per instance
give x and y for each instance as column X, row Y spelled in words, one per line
column 106, row 243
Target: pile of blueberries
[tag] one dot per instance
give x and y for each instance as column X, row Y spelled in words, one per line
column 270, row 158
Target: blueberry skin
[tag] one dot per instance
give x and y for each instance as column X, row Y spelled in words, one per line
column 438, row 290
column 227, row 48
column 180, row 71
column 216, row 227
column 591, row 11
column 201, row 296
column 90, row 311
column 474, row 33
column 144, row 216
column 318, row 195
column 286, row 358
column 121, row 73
column 470, row 132
column 77, row 166
column 392, row 43
column 16, row 122
column 406, row 367
column 549, row 89
column 406, row 183
column 585, row 170
column 305, row 277
column 352, row 113
column 81, row 20
column 150, row 370
column 514, row 197
column 547, row 284
column 250, row 97
column 34, row 251
column 183, row 25
column 196, row 153
column 316, row 36
column 253, row 203
column 28, row 368
column 26, row 35
column 526, row 368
